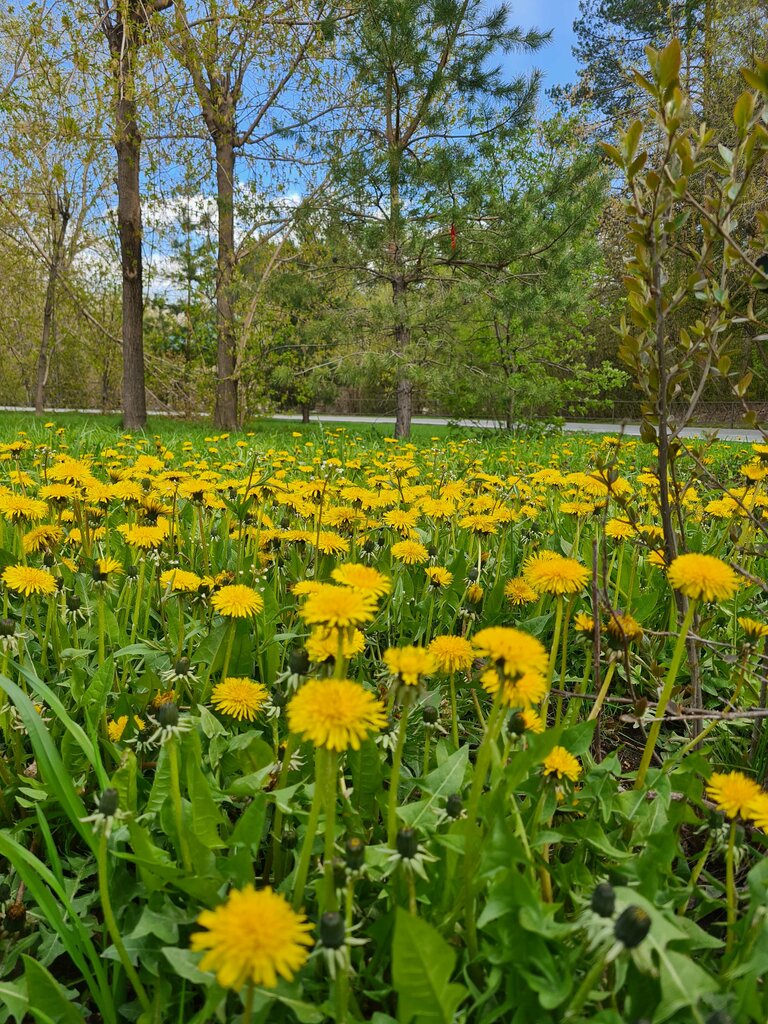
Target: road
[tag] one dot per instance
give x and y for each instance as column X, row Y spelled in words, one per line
column 627, row 429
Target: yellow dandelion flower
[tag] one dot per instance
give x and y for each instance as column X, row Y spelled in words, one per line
column 484, row 524
column 733, row 793
column 362, row 577
column 255, row 936
column 181, row 581
column 757, row 811
column 561, row 763
column 518, row 592
column 703, row 577
column 452, row 653
column 410, row 551
column 323, row 644
column 304, row 587
column 402, row 520
column 239, row 698
column 620, row 529
column 335, row 713
column 339, row 607
column 410, row 663
column 475, row 593
column 237, row 602
column 624, row 627
column 116, row 727
column 512, row 650
column 532, row 721
column 754, row 629
column 329, row 543
column 42, row 538
column 143, row 537
column 558, row 575
column 17, row 508
column 583, row 623
column 576, row 508
column 438, row 576
column 521, row 692
column 24, row 579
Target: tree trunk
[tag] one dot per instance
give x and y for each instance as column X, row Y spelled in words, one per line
column 45, row 340
column 60, row 215
column 128, row 148
column 404, row 408
column 226, row 383
column 305, row 411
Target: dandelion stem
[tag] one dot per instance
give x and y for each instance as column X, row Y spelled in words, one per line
column 603, row 693
column 277, row 826
column 555, row 641
column 178, row 809
column 230, row 645
column 730, row 887
column 394, row 779
column 329, row 797
column 666, row 693
column 111, row 923
column 248, row 1004
column 137, row 605
column 583, row 991
column 454, row 715
column 473, row 838
column 302, row 869
column 100, row 612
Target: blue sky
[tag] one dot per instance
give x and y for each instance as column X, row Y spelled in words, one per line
column 554, row 59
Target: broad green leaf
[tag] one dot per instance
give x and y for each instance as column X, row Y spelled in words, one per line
column 47, row 998
column 422, row 964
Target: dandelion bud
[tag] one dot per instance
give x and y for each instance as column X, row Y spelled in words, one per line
column 7, row 627
column 168, row 715
column 182, row 667
column 131, row 572
column 472, row 574
column 632, row 926
column 289, row 838
column 298, row 661
column 354, row 853
column 332, row 930
column 431, row 715
column 15, row 918
column 279, row 699
column 73, row 603
column 108, row 802
column 339, row 873
column 603, row 900
column 516, row 724
column 407, row 843
column 97, row 575
column 5, row 892
column 48, row 560
column 453, row 805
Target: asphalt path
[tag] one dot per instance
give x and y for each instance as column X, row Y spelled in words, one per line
column 627, row 429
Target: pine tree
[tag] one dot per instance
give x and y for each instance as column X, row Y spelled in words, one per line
column 425, row 90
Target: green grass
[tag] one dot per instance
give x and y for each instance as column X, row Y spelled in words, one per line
column 109, row 427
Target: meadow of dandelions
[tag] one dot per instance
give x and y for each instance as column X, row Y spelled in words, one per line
column 350, row 729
